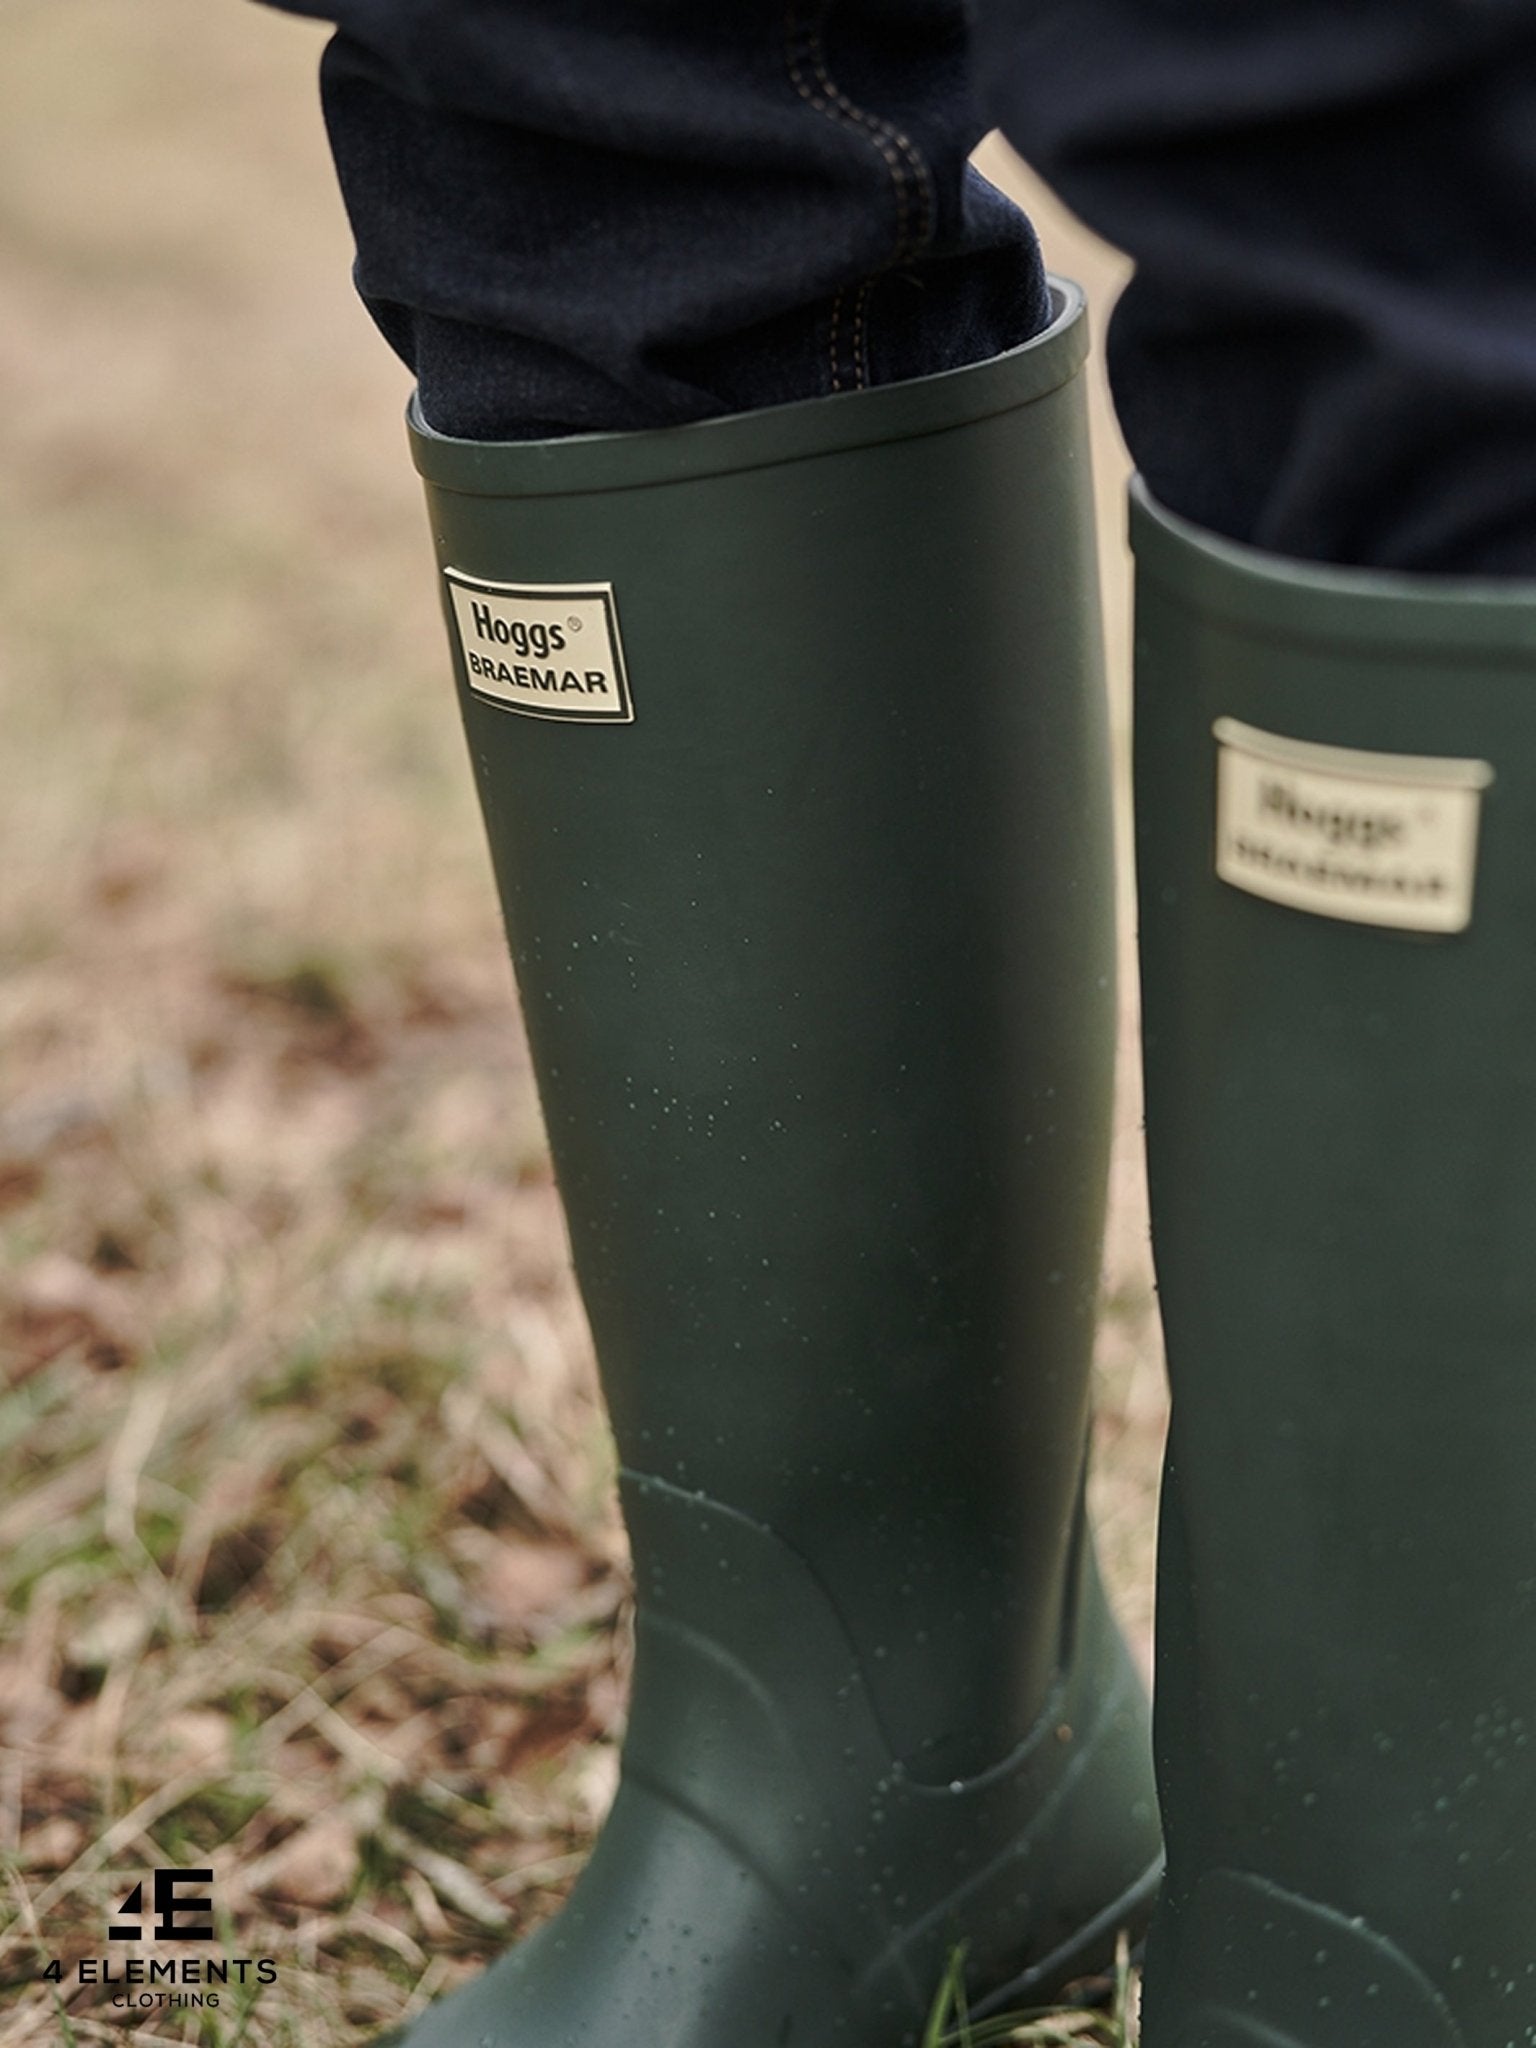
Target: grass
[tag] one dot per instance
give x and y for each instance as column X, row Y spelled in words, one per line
column 1108, row 2023
column 308, row 1568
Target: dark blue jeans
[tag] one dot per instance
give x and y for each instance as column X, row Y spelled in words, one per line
column 575, row 215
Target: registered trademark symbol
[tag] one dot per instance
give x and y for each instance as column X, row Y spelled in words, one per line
column 574, row 624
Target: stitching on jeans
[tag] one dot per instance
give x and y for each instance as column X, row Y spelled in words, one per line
column 902, row 158
column 861, row 334
column 904, row 161
column 886, row 137
column 834, row 340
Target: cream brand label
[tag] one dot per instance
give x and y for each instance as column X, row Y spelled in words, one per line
column 549, row 649
column 1386, row 839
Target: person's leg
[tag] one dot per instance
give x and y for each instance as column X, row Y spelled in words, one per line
column 597, row 215
column 1329, row 345
column 789, row 733
column 1329, row 351
column 805, row 858
column 1336, row 779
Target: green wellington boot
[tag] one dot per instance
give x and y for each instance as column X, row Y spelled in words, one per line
column 789, row 733
column 1337, row 854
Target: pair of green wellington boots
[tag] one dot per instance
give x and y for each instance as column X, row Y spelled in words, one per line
column 790, row 737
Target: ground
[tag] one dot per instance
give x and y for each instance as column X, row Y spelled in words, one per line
column 310, row 1574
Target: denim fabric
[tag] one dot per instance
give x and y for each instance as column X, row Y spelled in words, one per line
column 1329, row 346
column 585, row 214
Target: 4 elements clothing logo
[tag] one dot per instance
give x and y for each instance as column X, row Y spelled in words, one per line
column 181, row 1902
column 178, row 1918
column 551, row 650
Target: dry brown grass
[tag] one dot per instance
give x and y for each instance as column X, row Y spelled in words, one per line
column 309, row 1569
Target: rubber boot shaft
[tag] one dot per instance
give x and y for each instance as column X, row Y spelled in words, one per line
column 1341, row 1129
column 806, row 872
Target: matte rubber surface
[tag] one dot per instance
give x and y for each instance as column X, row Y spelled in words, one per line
column 1341, row 1127
column 816, row 956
